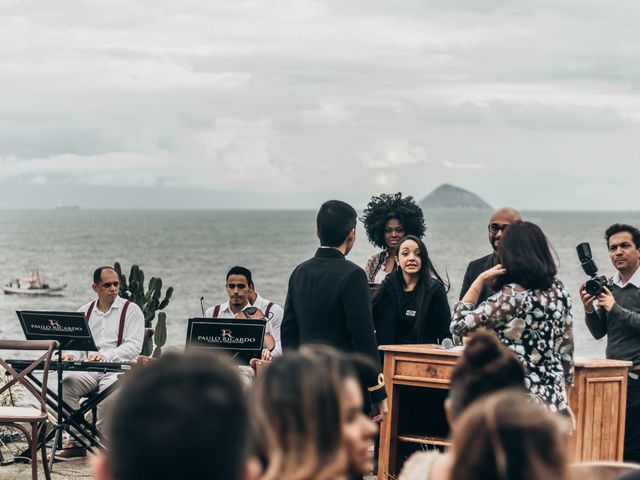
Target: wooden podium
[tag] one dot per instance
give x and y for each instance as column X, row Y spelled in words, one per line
column 418, row 378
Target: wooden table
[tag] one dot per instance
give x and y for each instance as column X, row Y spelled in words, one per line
column 418, row 378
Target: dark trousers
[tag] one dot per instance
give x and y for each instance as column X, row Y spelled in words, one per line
column 632, row 423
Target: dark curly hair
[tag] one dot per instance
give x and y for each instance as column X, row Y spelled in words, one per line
column 385, row 207
column 617, row 228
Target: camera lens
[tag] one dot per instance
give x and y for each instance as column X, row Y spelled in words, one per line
column 593, row 287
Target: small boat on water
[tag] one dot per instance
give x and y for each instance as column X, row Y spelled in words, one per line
column 36, row 284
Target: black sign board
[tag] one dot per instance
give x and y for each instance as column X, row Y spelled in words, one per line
column 227, row 334
column 70, row 329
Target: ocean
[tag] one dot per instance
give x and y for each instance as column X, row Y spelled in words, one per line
column 192, row 251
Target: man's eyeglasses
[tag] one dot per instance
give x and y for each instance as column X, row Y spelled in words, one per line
column 240, row 286
column 496, row 227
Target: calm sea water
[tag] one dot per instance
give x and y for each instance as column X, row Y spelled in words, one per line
column 192, row 251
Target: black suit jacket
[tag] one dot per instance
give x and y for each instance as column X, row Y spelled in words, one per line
column 475, row 268
column 328, row 302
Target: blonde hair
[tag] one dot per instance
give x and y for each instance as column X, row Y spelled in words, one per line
column 298, row 415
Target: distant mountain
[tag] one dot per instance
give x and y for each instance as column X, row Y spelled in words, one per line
column 450, row 197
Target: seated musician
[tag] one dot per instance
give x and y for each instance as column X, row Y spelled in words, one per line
column 240, row 289
column 117, row 326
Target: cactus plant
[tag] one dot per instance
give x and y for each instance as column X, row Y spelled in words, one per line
column 149, row 302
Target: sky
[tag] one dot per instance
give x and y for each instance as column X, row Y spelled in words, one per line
column 284, row 104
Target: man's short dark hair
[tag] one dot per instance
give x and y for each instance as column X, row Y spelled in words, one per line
column 623, row 227
column 334, row 221
column 97, row 273
column 237, row 270
column 182, row 416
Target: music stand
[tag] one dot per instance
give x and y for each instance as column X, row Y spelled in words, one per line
column 72, row 332
column 230, row 335
column 70, row 329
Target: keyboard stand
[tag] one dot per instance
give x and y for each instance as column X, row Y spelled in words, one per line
column 69, row 420
column 57, row 443
column 87, row 435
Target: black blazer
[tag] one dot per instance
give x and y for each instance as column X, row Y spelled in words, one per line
column 475, row 268
column 433, row 315
column 328, row 302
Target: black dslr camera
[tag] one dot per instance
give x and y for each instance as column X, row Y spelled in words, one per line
column 595, row 285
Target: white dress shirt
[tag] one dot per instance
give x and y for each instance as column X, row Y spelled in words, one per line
column 104, row 328
column 274, row 321
column 634, row 280
column 225, row 311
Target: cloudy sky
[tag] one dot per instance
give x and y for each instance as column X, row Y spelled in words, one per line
column 282, row 104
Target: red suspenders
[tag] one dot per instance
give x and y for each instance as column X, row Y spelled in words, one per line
column 121, row 326
column 123, row 316
column 216, row 311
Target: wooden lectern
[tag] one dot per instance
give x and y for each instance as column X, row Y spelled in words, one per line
column 418, row 378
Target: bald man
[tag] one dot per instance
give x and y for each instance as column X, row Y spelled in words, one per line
column 500, row 219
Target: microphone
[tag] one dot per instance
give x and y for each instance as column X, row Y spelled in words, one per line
column 202, row 305
column 447, row 343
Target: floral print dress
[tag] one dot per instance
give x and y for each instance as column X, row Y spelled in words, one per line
column 537, row 326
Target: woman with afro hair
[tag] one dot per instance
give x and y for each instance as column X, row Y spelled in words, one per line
column 387, row 219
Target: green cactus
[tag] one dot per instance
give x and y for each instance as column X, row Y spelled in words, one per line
column 150, row 303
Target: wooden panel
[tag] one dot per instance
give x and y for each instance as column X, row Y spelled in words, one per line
column 607, row 421
column 588, row 428
column 602, row 419
column 389, row 428
column 431, row 372
column 596, row 411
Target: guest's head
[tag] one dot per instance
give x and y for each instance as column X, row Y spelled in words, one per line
column 182, row 416
column 525, row 253
column 336, row 224
column 623, row 242
column 485, row 367
column 239, row 286
column 507, row 437
column 389, row 217
column 498, row 222
column 412, row 257
column 309, row 418
column 413, row 260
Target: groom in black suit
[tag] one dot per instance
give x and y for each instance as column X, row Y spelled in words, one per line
column 328, row 300
column 498, row 222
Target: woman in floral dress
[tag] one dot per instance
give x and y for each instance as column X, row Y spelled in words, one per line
column 530, row 313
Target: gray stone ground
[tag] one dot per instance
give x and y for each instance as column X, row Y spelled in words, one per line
column 76, row 469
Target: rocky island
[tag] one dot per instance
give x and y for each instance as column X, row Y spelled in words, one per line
column 450, row 197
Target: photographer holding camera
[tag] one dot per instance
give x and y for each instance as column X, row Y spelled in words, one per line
column 617, row 315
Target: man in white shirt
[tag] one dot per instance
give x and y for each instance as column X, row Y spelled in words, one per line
column 273, row 313
column 244, row 301
column 117, row 326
